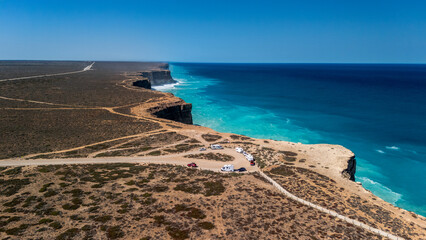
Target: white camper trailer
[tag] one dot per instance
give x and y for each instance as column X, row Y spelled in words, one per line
column 215, row 147
column 239, row 150
column 227, row 168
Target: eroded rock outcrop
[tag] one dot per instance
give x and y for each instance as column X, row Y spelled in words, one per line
column 349, row 172
column 158, row 77
column 174, row 109
column 144, row 83
column 168, row 107
column 155, row 77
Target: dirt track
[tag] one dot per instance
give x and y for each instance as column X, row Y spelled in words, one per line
column 49, row 75
column 175, row 159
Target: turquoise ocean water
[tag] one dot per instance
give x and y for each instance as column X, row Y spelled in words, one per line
column 377, row 111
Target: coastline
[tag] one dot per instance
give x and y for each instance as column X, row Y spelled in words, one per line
column 334, row 161
column 274, row 112
column 345, row 167
column 264, row 101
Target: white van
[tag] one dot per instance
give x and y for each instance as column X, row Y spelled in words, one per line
column 249, row 157
column 239, row 150
column 216, row 146
column 227, row 168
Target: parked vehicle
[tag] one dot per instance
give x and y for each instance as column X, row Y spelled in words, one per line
column 247, row 155
column 227, row 168
column 216, row 147
column 203, row 149
column 240, row 170
column 252, row 163
column 193, row 165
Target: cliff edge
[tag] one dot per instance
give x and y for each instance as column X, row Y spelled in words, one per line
column 167, row 107
column 349, row 172
column 173, row 108
column 156, row 77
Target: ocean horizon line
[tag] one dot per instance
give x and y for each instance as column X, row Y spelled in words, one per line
column 217, row 62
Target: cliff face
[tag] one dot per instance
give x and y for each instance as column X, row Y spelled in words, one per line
column 176, row 109
column 169, row 107
column 349, row 172
column 144, row 83
column 158, row 77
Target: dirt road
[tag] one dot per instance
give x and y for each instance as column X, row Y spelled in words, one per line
column 175, row 159
column 49, row 75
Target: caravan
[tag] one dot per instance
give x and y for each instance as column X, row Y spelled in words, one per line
column 216, row 147
column 248, row 156
column 227, row 168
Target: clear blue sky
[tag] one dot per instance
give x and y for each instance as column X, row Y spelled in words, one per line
column 339, row 31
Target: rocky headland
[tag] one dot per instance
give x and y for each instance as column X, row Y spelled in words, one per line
column 156, row 77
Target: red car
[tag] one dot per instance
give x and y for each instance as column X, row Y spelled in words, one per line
column 252, row 163
column 192, row 165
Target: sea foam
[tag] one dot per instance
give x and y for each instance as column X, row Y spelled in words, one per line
column 165, row 87
column 392, row 147
column 380, row 190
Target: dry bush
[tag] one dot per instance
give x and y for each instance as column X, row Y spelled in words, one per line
column 211, row 137
column 157, row 202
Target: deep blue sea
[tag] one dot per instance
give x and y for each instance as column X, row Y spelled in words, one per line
column 377, row 111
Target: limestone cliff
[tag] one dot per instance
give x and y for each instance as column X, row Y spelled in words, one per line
column 349, row 172
column 168, row 107
column 173, row 109
column 144, row 83
column 158, row 77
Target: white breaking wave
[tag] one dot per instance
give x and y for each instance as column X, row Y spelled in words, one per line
column 168, row 87
column 380, row 151
column 380, row 190
column 165, row 87
column 392, row 147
